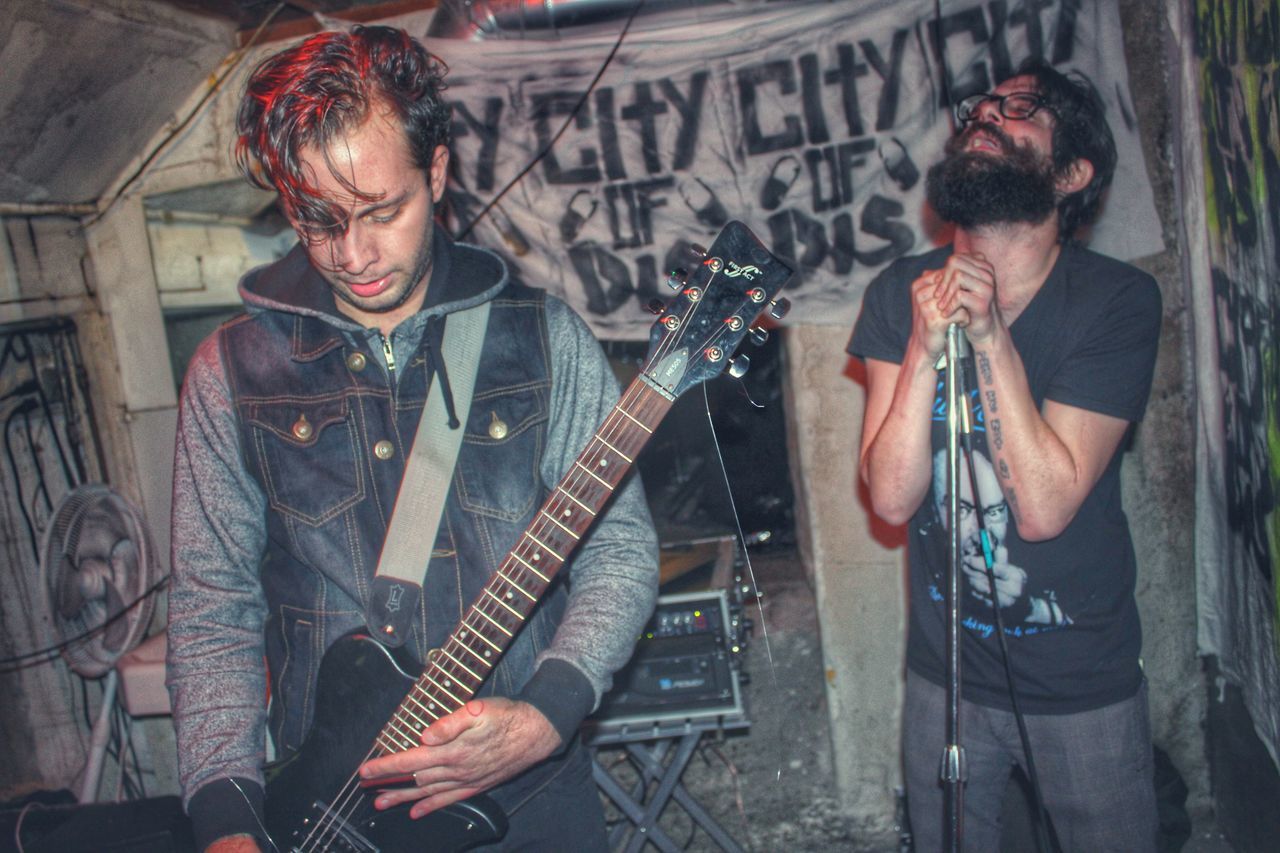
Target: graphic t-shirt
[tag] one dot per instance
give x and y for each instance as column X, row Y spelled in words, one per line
column 1087, row 339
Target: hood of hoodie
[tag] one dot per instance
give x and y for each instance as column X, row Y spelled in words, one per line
column 462, row 276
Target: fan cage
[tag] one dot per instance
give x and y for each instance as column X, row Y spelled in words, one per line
column 84, row 649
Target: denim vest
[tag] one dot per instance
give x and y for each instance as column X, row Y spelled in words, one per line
column 315, row 414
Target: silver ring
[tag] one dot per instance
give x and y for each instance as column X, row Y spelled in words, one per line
column 414, row 774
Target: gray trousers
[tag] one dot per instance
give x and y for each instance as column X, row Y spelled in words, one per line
column 1095, row 770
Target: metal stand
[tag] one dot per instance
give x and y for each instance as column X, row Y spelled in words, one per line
column 953, row 771
column 658, row 753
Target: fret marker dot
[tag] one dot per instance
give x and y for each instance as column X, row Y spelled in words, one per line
column 448, row 683
column 509, row 595
column 603, row 463
column 487, row 653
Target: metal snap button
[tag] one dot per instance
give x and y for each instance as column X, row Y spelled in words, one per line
column 356, row 361
column 302, row 429
column 497, row 427
column 384, row 450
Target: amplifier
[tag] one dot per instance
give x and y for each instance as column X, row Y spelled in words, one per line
column 683, row 668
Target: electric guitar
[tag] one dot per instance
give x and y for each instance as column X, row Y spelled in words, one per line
column 313, row 799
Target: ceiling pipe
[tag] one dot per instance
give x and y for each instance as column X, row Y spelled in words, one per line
column 476, row 20
column 47, row 208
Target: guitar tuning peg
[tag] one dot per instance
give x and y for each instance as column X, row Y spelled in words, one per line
column 738, row 366
column 778, row 308
column 758, row 335
column 656, row 306
column 677, row 278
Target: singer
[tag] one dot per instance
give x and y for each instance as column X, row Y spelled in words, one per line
column 1063, row 348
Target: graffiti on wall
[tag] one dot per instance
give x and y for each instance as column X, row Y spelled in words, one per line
column 1238, row 45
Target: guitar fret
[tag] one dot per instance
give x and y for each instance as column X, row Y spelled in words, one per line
column 628, row 416
column 544, row 547
column 513, row 611
column 561, row 526
column 518, row 587
column 593, row 476
column 495, row 622
column 470, row 672
column 526, row 564
column 417, row 723
column 425, row 709
column 481, row 635
column 614, row 449
column 442, row 689
column 392, row 746
column 401, row 737
column 475, row 654
column 562, row 490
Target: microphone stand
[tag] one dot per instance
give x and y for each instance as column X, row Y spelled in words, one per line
column 954, row 773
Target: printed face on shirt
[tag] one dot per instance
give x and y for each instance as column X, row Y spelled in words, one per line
column 994, row 509
column 379, row 266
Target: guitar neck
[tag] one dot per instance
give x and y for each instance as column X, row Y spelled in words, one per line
column 460, row 666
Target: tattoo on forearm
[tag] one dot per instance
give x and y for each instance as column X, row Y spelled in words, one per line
column 984, row 368
column 991, row 402
column 1004, row 470
column 996, row 437
column 1012, row 500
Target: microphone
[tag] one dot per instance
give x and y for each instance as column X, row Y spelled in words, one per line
column 958, row 349
column 963, row 350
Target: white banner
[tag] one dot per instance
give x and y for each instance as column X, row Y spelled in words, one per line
column 812, row 123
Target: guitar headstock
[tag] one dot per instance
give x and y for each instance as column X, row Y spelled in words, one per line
column 698, row 331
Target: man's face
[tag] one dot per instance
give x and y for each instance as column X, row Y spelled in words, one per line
column 997, row 170
column 378, row 268
column 994, row 509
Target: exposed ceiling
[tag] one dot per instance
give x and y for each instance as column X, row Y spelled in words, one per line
column 86, row 85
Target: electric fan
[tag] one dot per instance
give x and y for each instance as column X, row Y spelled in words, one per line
column 98, row 567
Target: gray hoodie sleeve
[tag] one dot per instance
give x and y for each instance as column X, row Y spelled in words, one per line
column 614, row 574
column 215, row 674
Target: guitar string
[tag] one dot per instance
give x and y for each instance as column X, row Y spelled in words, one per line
column 351, row 793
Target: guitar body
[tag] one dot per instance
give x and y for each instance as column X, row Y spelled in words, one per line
column 361, row 682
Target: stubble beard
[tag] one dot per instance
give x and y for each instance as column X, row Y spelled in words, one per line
column 416, row 279
column 975, row 189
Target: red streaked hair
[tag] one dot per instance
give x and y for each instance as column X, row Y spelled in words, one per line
column 313, row 92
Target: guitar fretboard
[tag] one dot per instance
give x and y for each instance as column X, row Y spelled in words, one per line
column 456, row 670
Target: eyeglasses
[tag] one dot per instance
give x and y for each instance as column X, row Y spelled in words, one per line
column 1015, row 105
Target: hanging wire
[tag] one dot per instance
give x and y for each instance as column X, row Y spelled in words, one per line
column 573, row 114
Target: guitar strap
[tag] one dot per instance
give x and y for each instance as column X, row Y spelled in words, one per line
column 397, row 585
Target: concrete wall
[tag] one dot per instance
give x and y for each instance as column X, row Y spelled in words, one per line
column 857, row 564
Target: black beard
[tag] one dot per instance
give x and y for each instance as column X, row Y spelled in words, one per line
column 972, row 189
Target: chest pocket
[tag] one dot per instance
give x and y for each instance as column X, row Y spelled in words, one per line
column 498, row 467
column 308, row 455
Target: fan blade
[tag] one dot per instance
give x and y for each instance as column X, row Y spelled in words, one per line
column 116, row 635
column 66, row 593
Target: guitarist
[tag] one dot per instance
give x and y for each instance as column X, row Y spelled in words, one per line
column 295, row 423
